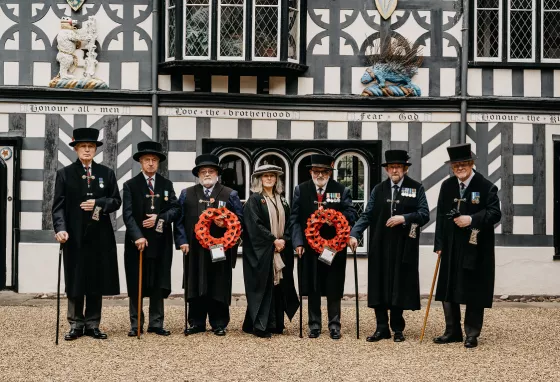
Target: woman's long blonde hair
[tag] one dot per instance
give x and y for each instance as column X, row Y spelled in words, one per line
column 257, row 186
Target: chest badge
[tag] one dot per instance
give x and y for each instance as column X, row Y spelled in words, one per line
column 101, row 184
column 166, row 195
column 475, row 197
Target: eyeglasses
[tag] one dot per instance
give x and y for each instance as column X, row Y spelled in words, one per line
column 207, row 172
column 457, row 165
column 320, row 172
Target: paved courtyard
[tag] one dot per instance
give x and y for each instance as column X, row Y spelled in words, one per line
column 520, row 342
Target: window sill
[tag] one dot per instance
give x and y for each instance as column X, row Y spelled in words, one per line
column 232, row 67
column 513, row 65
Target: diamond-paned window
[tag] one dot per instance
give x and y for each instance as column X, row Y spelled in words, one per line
column 197, row 28
column 522, row 30
column 550, row 29
column 170, row 8
column 488, row 26
column 231, row 29
column 266, row 28
column 293, row 29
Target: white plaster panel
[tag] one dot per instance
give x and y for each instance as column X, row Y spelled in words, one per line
column 104, row 26
column 302, row 129
column 127, row 176
column 429, row 130
column 181, row 160
column 31, row 190
column 146, row 25
column 124, row 155
column 188, row 83
column 219, row 84
column 182, row 128
column 63, row 159
column 447, row 82
column 522, row 164
column 31, row 220
column 474, row 86
column 345, row 48
column 399, row 132
column 146, row 129
column 11, row 73
column 455, row 31
column 305, row 85
column 337, row 130
column 550, row 130
column 332, row 80
column 522, row 225
column 411, row 29
column 164, row 82
column 277, row 85
column 264, row 129
column 5, row 22
column 503, row 84
column 432, row 195
column 48, row 24
column 223, row 128
column 370, row 131
column 494, row 165
column 473, row 144
column 130, row 76
column 32, row 159
column 4, row 123
column 41, row 73
column 103, row 71
column 522, row 194
column 357, row 86
column 422, row 79
column 322, row 48
column 359, row 29
column 248, row 84
column 557, row 83
column 140, row 44
column 522, row 133
column 313, row 30
column 495, row 142
column 12, row 43
column 124, row 131
column 433, row 161
column 117, row 43
column 531, row 83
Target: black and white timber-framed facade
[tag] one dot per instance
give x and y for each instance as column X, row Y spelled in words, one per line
column 259, row 81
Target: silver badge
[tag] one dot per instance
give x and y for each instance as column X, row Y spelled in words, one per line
column 96, row 212
column 474, row 239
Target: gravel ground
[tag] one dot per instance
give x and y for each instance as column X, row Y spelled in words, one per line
column 516, row 344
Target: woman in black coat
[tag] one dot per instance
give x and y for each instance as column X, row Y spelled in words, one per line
column 268, row 257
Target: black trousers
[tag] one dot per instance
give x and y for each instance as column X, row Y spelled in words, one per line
column 156, row 312
column 314, row 310
column 474, row 317
column 90, row 319
column 202, row 307
column 382, row 317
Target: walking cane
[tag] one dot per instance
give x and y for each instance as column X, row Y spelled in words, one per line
column 185, row 291
column 140, row 294
column 58, row 292
column 356, row 289
column 430, row 299
column 300, row 272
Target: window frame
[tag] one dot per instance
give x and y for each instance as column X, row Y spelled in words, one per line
column 298, row 40
column 166, row 44
column 220, row 6
column 184, row 30
column 541, row 45
column 278, row 37
column 247, row 170
column 534, row 34
column 500, row 34
column 287, row 186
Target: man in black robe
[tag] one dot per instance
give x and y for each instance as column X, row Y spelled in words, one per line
column 397, row 208
column 84, row 196
column 318, row 278
column 468, row 208
column 209, row 283
column 149, row 208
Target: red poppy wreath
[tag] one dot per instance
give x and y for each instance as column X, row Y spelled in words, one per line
column 231, row 224
column 333, row 218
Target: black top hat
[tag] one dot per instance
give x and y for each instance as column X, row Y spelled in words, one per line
column 149, row 147
column 396, row 157
column 85, row 134
column 206, row 160
column 460, row 153
column 322, row 161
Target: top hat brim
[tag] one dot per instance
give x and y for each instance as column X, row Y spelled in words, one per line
column 206, row 164
column 162, row 157
column 396, row 162
column 464, row 159
column 74, row 143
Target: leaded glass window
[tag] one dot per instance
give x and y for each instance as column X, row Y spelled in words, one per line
column 266, row 28
column 170, row 8
column 550, row 29
column 522, row 30
column 488, row 25
column 231, row 29
column 293, row 29
column 197, row 28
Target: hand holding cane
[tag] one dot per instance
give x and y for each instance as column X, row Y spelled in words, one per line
column 140, row 293
column 430, row 299
column 356, row 293
column 58, row 292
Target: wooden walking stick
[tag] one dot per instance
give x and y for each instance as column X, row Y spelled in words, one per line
column 300, row 272
column 357, row 294
column 186, row 290
column 139, row 324
column 58, row 292
column 430, row 299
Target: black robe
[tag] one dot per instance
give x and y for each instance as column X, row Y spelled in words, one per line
column 204, row 277
column 467, row 270
column 90, row 254
column 393, row 279
column 258, row 255
column 158, row 255
column 316, row 275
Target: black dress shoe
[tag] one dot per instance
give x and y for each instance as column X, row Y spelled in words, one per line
column 95, row 333
column 159, row 331
column 335, row 334
column 134, row 332
column 448, row 338
column 398, row 337
column 262, row 333
column 74, row 334
column 378, row 336
column 471, row 342
column 220, row 331
column 194, row 330
column 314, row 333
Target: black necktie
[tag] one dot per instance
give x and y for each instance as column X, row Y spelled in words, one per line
column 462, row 189
column 207, row 193
column 395, row 190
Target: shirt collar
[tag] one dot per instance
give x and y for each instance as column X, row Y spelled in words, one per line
column 466, row 182
column 398, row 184
column 324, row 187
column 148, row 177
column 211, row 189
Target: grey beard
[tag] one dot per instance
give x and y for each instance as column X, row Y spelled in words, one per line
column 201, row 181
column 316, row 185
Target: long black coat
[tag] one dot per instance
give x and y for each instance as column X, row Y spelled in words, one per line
column 90, row 254
column 158, row 255
column 258, row 255
column 467, row 270
column 204, row 277
column 316, row 275
column 393, row 279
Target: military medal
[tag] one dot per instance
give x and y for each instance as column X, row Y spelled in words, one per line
column 475, row 197
column 221, row 204
column 166, row 195
column 414, row 192
column 101, row 185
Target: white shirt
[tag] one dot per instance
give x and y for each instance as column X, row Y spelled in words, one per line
column 467, row 181
column 397, row 184
column 210, row 189
column 153, row 179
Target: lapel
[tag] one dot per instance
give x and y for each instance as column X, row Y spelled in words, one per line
column 199, row 196
column 216, row 192
column 160, row 187
column 79, row 172
column 266, row 213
